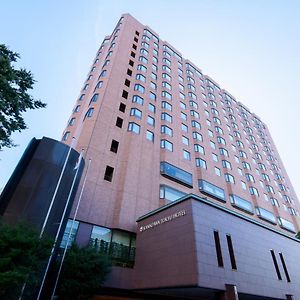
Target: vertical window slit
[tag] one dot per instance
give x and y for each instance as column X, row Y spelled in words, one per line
column 276, row 264
column 218, row 249
column 231, row 252
column 285, row 268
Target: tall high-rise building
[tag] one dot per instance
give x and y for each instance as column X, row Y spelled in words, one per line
column 156, row 129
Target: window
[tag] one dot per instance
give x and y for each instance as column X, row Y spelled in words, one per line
column 150, row 121
column 137, row 99
column 274, row 202
column 270, row 189
column 166, row 130
column 166, row 76
column 140, row 77
column 182, row 105
column 221, row 140
column 199, row 149
column 143, row 59
column 217, row 171
column 125, row 94
column 176, row 174
column 140, row 88
column 214, row 157
column 218, row 249
column 166, row 117
column 246, row 165
column 196, row 124
column 69, row 234
column 114, row 146
column 265, row 215
column 136, row 112
column 241, row 203
column 89, row 113
column 66, row 135
column 195, row 114
column 212, row 145
column 206, row 187
column 153, row 76
column 133, row 127
column 184, row 127
column 197, row 136
column 286, row 224
column 170, row 194
column 122, row 107
column 129, row 72
column 150, row 136
column 71, row 122
column 201, row 163
column 276, row 264
column 153, row 85
column 253, row 191
column 229, row 178
column 103, row 73
column 219, row 129
column 119, row 122
column 226, row 164
column 127, row 82
column 186, row 155
column 223, row 152
column 244, row 186
column 166, row 85
column 98, row 86
column 166, row 145
column 231, row 252
column 249, row 177
column 183, row 116
column 142, row 68
column 166, row 95
column 166, row 105
column 185, row 140
column 108, row 175
column 151, row 107
column 152, row 96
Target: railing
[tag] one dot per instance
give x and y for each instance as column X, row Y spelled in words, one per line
column 120, row 254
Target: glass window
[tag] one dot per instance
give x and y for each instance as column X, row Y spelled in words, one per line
column 137, row 99
column 166, row 105
column 69, row 233
column 166, row 95
column 241, row 203
column 186, row 155
column 101, row 234
column 133, row 127
column 176, row 174
column 201, row 163
column 226, row 164
column 150, row 136
column 152, row 96
column 229, row 178
column 185, row 140
column 199, row 148
column 253, row 191
column 169, row 193
column 150, row 121
column 265, row 215
column 217, row 171
column 136, row 112
column 151, row 107
column 166, row 130
column 212, row 190
column 140, row 88
column 197, row 136
column 140, row 77
column 183, row 116
column 184, row 127
column 166, row 145
column 166, row 117
column 89, row 113
column 215, row 157
column 196, row 124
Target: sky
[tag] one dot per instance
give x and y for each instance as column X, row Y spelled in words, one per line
column 251, row 48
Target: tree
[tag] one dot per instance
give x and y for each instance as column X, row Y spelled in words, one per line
column 22, row 254
column 83, row 272
column 14, row 98
column 298, row 235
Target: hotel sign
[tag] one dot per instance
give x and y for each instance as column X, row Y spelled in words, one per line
column 169, row 218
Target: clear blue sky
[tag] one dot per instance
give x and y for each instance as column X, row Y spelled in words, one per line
column 251, row 48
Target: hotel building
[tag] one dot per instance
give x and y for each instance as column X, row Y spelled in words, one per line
column 183, row 178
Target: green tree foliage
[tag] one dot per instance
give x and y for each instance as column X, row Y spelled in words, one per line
column 22, row 254
column 14, row 98
column 84, row 270
column 298, row 235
